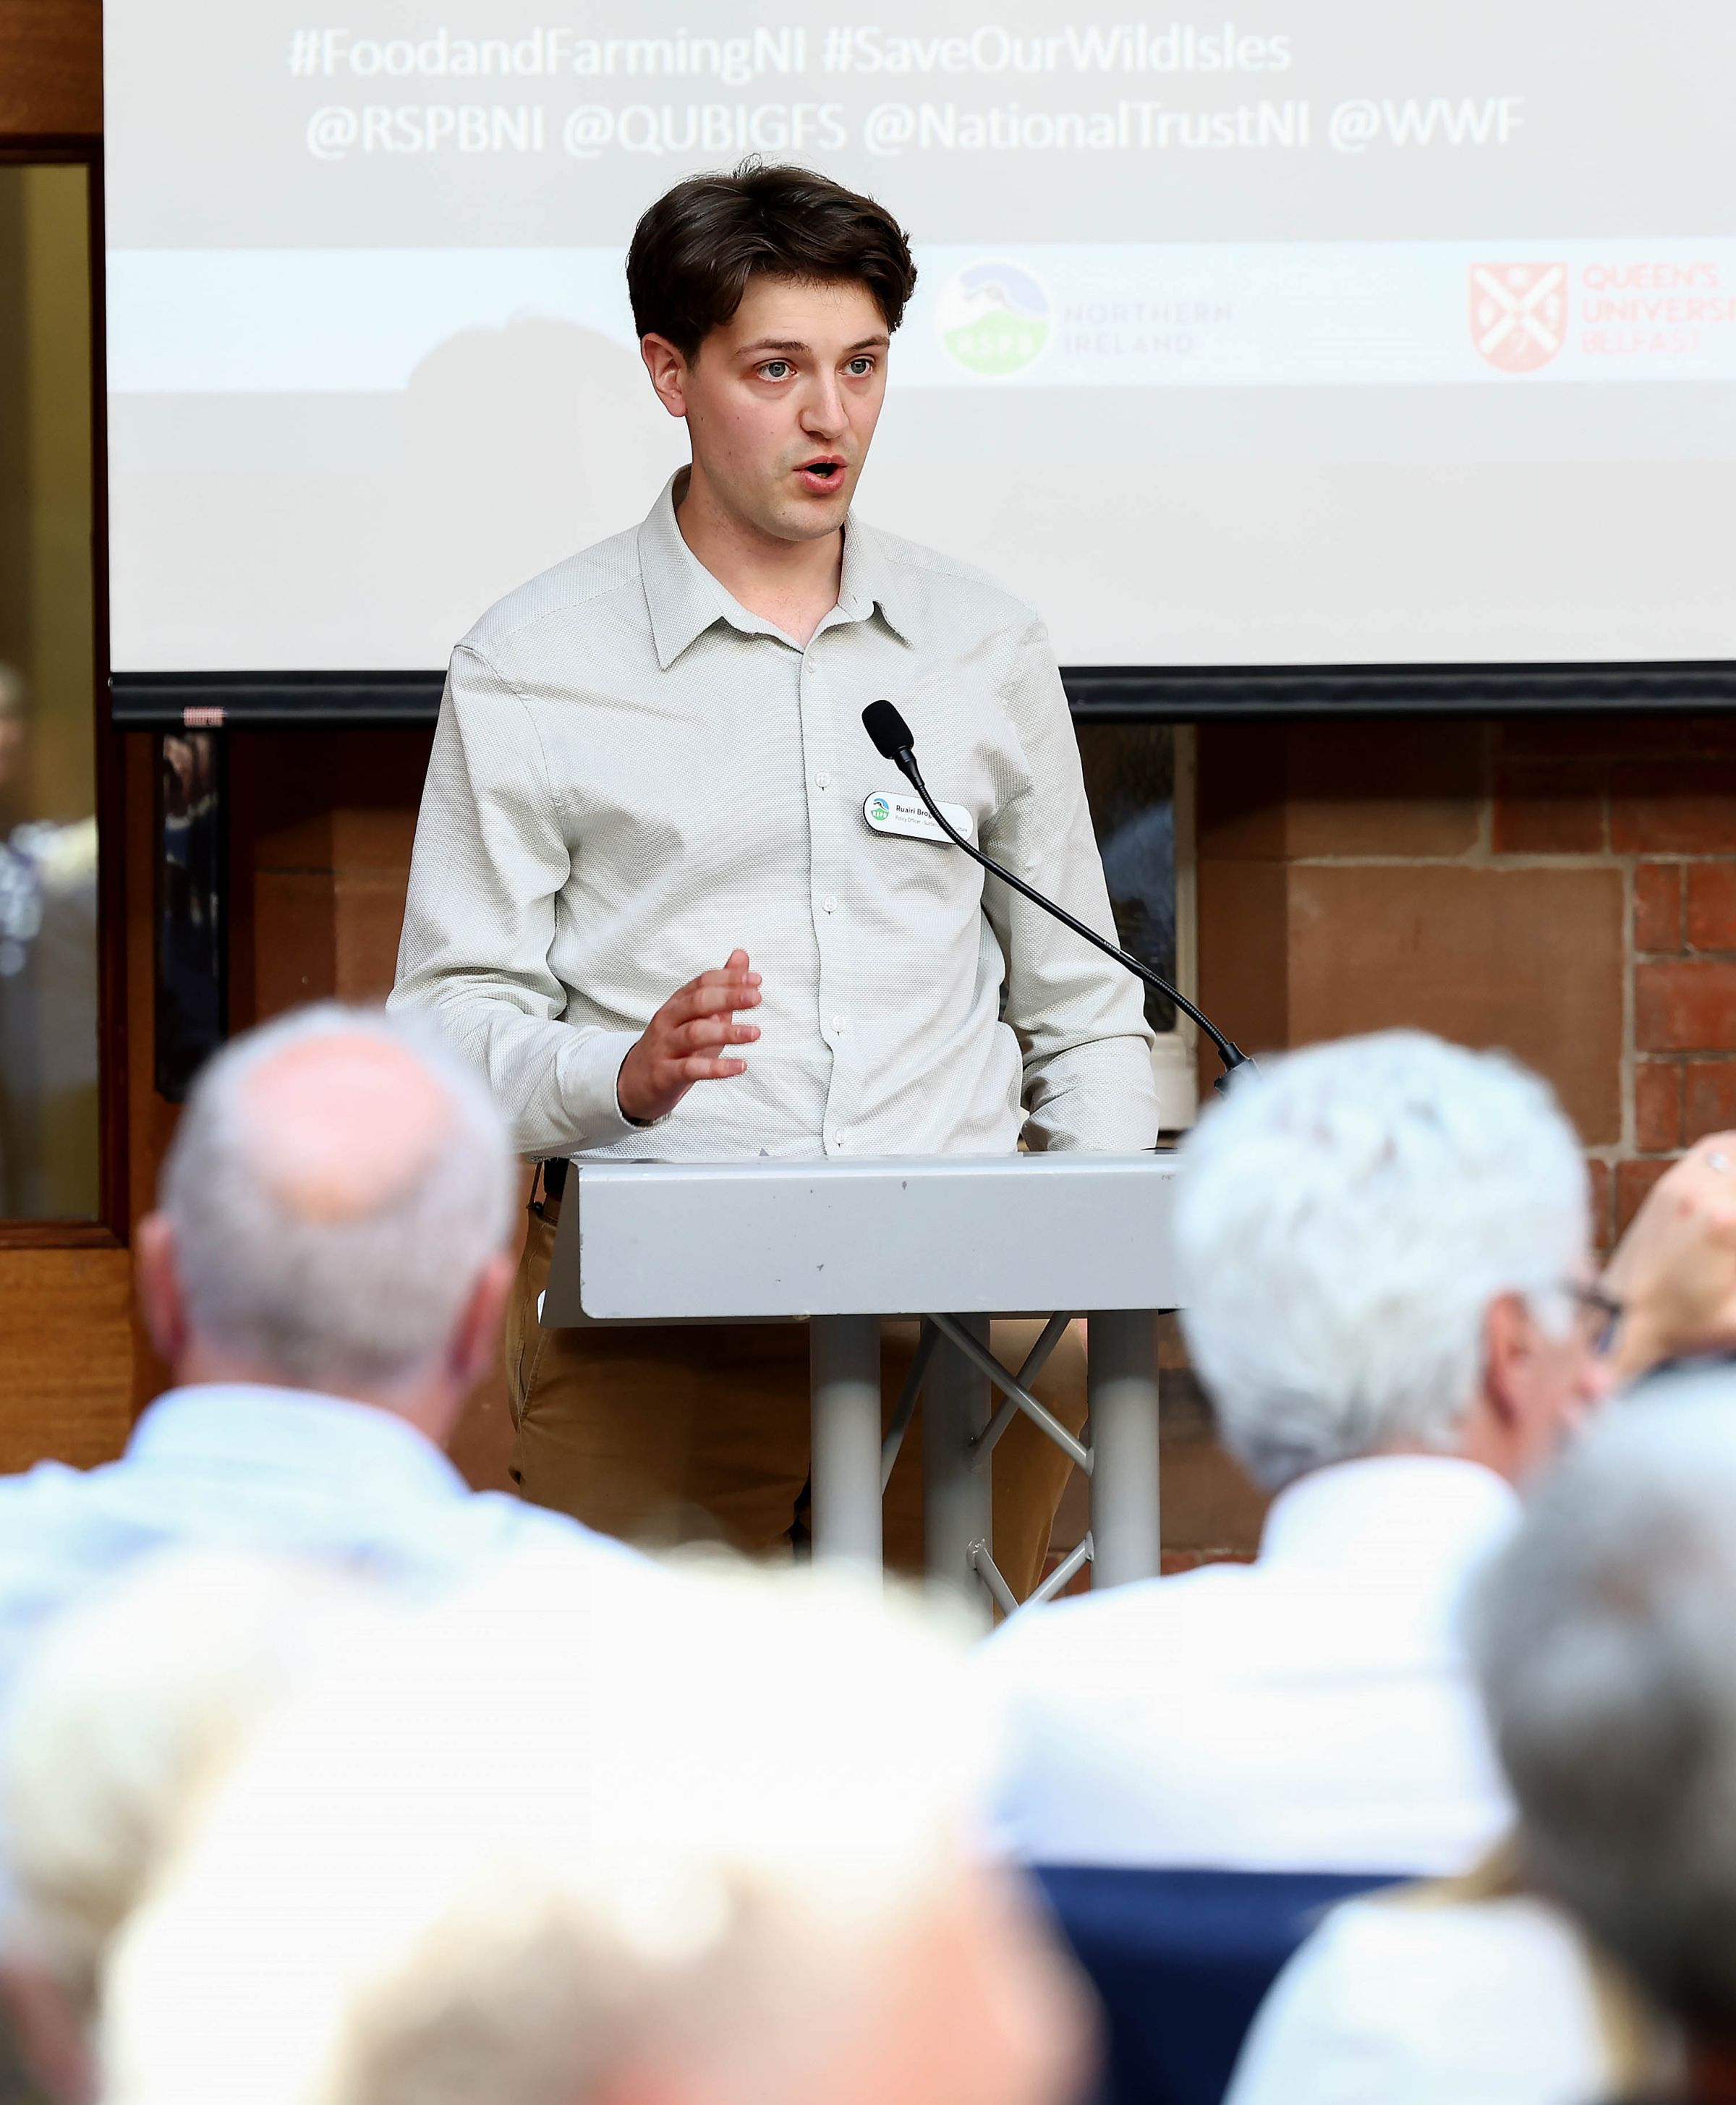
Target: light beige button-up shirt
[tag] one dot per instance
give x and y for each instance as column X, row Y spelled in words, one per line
column 633, row 776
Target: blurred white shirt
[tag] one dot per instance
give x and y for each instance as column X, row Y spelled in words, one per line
column 281, row 1471
column 1312, row 1711
column 1400, row 2000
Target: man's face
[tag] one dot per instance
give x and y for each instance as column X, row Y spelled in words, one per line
column 781, row 402
column 1551, row 1377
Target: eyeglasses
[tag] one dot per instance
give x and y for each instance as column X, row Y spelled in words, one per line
column 1599, row 1314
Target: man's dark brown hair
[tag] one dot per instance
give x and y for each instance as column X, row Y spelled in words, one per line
column 694, row 252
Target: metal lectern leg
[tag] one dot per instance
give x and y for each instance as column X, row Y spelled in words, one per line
column 844, row 1358
column 957, row 1402
column 1122, row 1380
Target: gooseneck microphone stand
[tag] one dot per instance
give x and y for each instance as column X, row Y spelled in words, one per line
column 893, row 741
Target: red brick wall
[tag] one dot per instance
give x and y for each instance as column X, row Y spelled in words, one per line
column 1566, row 889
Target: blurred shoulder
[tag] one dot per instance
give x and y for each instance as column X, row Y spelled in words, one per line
column 1107, row 1631
column 1372, row 2004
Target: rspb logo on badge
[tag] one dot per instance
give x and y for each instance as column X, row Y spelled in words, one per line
column 995, row 318
column 1518, row 314
column 879, row 810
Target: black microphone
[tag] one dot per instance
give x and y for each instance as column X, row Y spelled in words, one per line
column 893, row 741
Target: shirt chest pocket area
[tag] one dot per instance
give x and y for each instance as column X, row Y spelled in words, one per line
column 681, row 797
column 902, row 846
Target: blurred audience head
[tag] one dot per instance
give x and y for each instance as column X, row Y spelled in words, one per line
column 551, row 1852
column 1385, row 1248
column 1603, row 1637
column 333, row 1215
column 141, row 1697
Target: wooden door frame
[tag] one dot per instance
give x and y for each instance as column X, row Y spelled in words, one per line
column 111, row 1229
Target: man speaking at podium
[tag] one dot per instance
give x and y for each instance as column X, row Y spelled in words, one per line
column 655, row 896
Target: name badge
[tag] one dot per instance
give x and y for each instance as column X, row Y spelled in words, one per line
column 889, row 812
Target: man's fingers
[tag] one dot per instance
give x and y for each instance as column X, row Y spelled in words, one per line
column 733, row 975
column 712, row 1030
column 698, row 1067
column 716, row 999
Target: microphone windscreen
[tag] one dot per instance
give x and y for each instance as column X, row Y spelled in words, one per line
column 887, row 728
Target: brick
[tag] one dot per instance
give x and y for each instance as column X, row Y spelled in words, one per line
column 1658, row 906
column 1673, row 807
column 1242, row 967
column 366, row 918
column 1239, row 800
column 1708, row 1099
column 1524, row 957
column 1633, row 1180
column 1685, row 1006
column 1549, row 806
column 1645, row 735
column 1711, row 906
column 1602, row 1190
column 1410, row 788
column 294, row 940
column 1658, row 1105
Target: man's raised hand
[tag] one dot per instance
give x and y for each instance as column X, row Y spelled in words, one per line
column 683, row 1043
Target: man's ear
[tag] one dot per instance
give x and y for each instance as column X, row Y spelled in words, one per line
column 157, row 1280
column 668, row 371
column 476, row 1342
column 1509, row 1344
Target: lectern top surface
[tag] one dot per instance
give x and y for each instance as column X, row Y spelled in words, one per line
column 666, row 1242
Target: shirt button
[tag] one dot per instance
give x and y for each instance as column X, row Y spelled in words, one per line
column 829, row 905
column 840, row 1141
column 822, row 781
column 838, row 1027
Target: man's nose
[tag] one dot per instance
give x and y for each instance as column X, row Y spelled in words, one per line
column 822, row 413
column 1596, row 1382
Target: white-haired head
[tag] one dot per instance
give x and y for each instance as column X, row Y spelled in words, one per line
column 335, row 1188
column 548, row 1850
column 1602, row 1636
column 117, row 1722
column 1345, row 1221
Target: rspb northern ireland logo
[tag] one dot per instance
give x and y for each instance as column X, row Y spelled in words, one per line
column 879, row 810
column 1518, row 314
column 995, row 318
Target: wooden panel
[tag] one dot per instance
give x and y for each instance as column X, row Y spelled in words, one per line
column 67, row 1373
column 51, row 68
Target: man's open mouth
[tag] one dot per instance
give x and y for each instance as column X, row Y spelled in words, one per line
column 825, row 471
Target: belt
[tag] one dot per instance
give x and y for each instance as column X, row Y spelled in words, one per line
column 555, row 1175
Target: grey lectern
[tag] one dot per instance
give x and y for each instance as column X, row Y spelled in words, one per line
column 952, row 1239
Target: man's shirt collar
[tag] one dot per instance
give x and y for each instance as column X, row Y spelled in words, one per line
column 1414, row 1517
column 285, row 1431
column 684, row 599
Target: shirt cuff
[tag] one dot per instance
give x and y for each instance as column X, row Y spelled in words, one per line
column 590, row 1068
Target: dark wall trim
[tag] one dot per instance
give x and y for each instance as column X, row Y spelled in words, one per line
column 273, row 701
column 1109, row 694
column 1121, row 693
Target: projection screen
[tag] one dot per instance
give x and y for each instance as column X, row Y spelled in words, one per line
column 1314, row 332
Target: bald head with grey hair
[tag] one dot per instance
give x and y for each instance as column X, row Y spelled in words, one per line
column 1602, row 1638
column 334, row 1214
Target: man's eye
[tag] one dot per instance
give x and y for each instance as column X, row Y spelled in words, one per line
column 775, row 369
column 861, row 367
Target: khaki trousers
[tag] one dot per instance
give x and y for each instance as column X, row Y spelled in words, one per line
column 700, row 1432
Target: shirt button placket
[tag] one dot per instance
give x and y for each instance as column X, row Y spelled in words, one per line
column 816, row 743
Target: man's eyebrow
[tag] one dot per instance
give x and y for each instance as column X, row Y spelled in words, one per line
column 785, row 345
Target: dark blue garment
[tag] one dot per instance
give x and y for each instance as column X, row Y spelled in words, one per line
column 1181, row 1960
